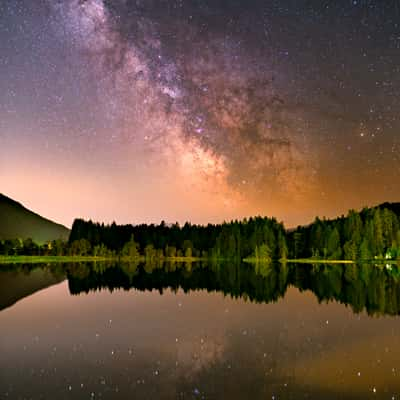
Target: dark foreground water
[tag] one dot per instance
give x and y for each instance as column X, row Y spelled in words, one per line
column 199, row 332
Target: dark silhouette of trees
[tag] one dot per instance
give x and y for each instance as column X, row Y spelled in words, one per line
column 373, row 233
column 233, row 240
column 376, row 290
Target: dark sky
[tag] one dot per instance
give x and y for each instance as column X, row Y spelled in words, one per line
column 199, row 110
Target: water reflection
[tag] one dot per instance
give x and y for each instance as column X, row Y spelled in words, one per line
column 191, row 343
column 375, row 289
column 19, row 282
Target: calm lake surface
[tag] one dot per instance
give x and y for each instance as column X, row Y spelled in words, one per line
column 96, row 331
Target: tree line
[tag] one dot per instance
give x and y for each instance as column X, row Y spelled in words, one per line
column 259, row 238
column 376, row 290
column 373, row 233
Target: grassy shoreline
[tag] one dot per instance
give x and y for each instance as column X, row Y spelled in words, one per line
column 65, row 259
column 313, row 261
column 48, row 259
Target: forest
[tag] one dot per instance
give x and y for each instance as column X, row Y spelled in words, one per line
column 372, row 233
column 376, row 290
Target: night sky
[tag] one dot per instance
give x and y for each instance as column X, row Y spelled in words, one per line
column 138, row 111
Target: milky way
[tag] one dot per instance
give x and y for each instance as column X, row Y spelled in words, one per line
column 211, row 110
column 207, row 107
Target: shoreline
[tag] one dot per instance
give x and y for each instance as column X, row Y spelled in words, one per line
column 66, row 259
column 142, row 259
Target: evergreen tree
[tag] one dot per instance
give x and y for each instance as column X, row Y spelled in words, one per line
column 365, row 253
column 350, row 250
column 333, row 245
column 131, row 249
column 298, row 244
column 378, row 232
column 283, row 249
column 264, row 252
column 150, row 253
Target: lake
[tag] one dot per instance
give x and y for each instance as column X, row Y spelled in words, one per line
column 199, row 331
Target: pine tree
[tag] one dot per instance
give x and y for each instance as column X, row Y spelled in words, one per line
column 131, row 249
column 378, row 232
column 298, row 239
column 350, row 250
column 264, row 252
column 333, row 246
column 283, row 249
column 365, row 253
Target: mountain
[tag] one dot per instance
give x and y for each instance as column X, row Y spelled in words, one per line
column 16, row 221
column 16, row 285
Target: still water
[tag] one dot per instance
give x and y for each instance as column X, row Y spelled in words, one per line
column 192, row 331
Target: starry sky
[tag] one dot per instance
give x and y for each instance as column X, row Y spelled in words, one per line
column 200, row 110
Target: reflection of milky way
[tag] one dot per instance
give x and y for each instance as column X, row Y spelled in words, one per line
column 203, row 108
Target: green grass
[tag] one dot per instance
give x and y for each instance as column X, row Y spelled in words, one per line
column 47, row 259
column 184, row 259
column 314, row 261
column 253, row 260
column 65, row 259
column 299, row 261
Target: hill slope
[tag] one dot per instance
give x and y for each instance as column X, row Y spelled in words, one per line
column 16, row 285
column 16, row 221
